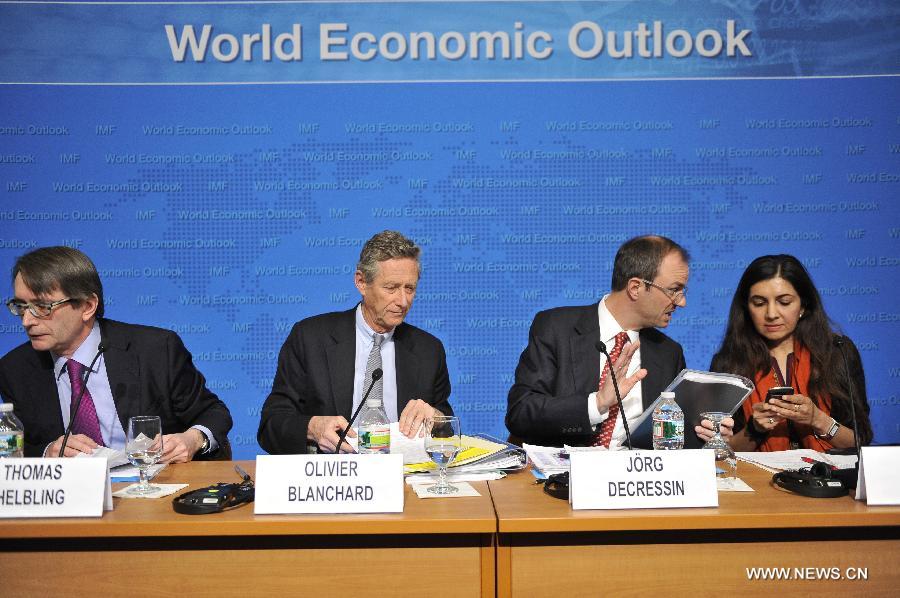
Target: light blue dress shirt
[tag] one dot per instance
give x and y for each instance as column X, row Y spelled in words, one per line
column 364, row 342
column 98, row 385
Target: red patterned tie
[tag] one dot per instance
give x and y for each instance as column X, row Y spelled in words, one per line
column 86, row 420
column 604, row 435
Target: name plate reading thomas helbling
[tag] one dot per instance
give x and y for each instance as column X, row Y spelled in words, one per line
column 643, row 479
column 329, row 484
column 54, row 487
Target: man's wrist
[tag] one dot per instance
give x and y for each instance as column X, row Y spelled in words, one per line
column 202, row 443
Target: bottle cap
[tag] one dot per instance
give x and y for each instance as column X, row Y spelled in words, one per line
column 667, row 395
column 4, row 407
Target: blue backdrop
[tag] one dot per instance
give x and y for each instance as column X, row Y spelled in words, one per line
column 225, row 196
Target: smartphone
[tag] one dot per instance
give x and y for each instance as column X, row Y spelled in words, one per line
column 776, row 392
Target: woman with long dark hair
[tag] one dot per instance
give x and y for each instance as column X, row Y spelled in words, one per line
column 778, row 334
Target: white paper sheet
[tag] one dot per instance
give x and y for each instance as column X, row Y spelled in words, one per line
column 794, row 460
column 162, row 490
column 465, row 489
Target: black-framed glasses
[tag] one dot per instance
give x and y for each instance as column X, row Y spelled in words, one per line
column 674, row 296
column 37, row 309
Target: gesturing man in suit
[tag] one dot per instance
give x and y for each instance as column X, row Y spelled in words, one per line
column 559, row 396
column 136, row 370
column 324, row 365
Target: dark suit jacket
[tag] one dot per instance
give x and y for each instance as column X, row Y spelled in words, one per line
column 315, row 377
column 150, row 373
column 560, row 367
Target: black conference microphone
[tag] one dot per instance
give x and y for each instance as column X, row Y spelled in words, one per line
column 849, row 475
column 376, row 376
column 601, row 346
column 75, row 405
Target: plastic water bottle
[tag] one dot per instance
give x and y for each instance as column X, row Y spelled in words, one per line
column 12, row 434
column 668, row 424
column 374, row 428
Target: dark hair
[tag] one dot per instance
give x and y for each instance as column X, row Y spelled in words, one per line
column 744, row 351
column 47, row 269
column 384, row 246
column 640, row 257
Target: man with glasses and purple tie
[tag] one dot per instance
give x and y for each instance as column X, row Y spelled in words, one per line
column 118, row 370
column 562, row 393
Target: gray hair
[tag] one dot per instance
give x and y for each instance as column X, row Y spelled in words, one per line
column 49, row 268
column 386, row 245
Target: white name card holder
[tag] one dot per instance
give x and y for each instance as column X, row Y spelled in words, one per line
column 54, row 488
column 643, row 479
column 878, row 483
column 343, row 483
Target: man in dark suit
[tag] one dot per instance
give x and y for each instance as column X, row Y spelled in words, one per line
column 134, row 370
column 558, row 397
column 324, row 367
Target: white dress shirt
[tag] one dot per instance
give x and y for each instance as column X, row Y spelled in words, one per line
column 632, row 402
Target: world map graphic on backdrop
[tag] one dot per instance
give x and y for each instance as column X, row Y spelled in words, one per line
column 229, row 212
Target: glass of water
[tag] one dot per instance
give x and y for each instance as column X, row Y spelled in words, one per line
column 144, row 446
column 443, row 441
column 726, row 460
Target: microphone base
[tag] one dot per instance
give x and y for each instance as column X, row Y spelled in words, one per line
column 847, row 476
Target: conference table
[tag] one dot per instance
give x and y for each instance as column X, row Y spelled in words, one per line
column 512, row 540
column 144, row 548
column 547, row 549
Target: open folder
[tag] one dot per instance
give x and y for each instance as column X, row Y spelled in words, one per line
column 695, row 392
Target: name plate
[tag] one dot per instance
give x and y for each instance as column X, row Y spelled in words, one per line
column 54, row 487
column 643, row 479
column 878, row 482
column 329, row 484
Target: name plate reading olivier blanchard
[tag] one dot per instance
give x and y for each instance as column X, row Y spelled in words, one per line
column 329, row 484
column 643, row 479
column 54, row 487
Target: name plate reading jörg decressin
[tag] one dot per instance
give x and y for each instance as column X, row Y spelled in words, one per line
column 643, row 479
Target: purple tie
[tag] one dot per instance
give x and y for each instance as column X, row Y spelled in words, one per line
column 86, row 420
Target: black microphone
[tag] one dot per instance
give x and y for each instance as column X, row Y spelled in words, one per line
column 75, row 405
column 849, row 475
column 601, row 346
column 376, row 376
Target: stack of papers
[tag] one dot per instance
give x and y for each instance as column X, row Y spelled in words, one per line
column 548, row 460
column 794, row 460
column 478, row 455
column 482, row 458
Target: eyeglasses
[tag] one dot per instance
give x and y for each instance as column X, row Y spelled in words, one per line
column 674, row 296
column 38, row 310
